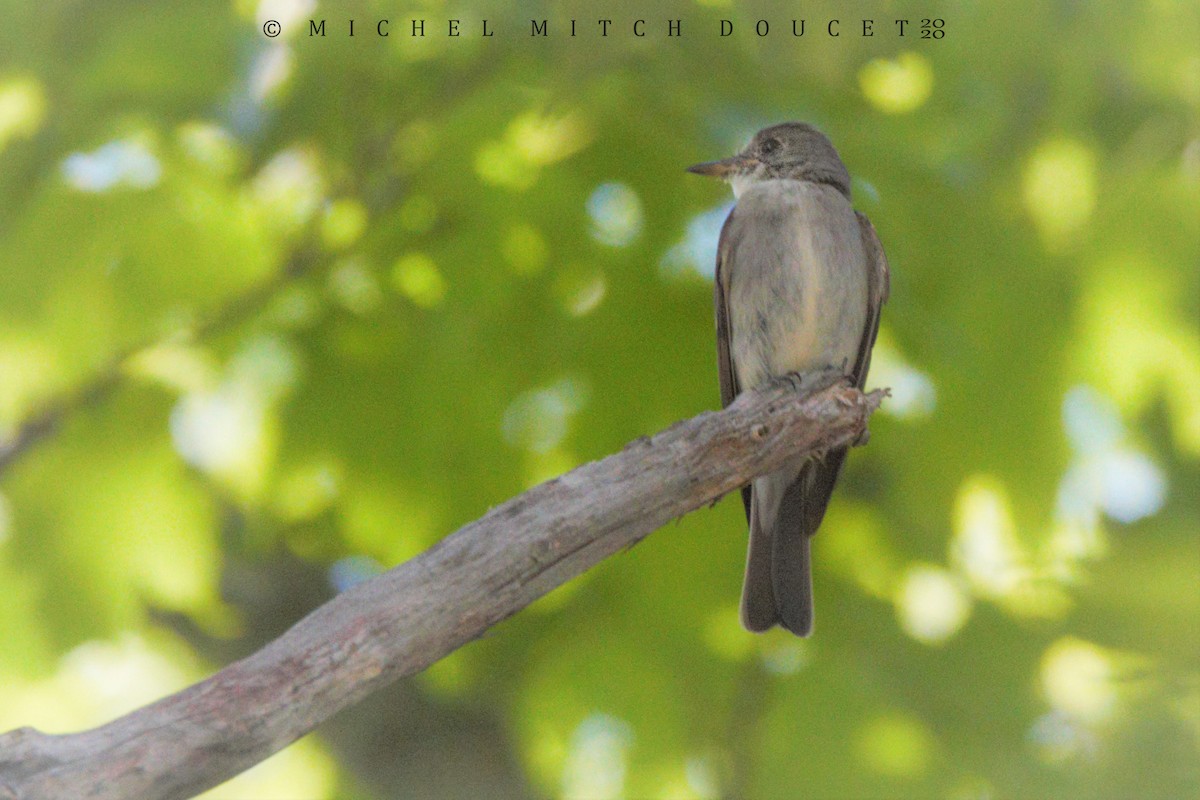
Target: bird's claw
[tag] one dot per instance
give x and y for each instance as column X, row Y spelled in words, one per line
column 815, row 379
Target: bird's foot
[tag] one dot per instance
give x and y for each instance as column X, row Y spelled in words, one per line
column 813, row 380
column 792, row 380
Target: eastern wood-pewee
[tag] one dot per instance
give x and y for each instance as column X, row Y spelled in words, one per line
column 801, row 277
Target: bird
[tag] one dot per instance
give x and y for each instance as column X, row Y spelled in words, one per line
column 801, row 278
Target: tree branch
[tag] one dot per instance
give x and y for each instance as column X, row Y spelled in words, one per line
column 402, row 621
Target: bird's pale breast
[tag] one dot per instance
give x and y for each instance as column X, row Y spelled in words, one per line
column 797, row 282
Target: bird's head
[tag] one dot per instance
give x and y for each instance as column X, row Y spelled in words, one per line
column 790, row 150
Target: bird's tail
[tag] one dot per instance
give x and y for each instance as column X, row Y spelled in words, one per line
column 758, row 593
column 778, row 583
column 791, row 563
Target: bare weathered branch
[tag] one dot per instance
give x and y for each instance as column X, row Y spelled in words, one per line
column 406, row 619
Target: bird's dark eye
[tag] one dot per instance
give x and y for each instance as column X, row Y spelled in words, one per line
column 769, row 146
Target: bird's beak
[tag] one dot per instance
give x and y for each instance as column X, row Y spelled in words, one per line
column 725, row 167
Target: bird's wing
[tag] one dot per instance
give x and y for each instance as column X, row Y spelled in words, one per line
column 820, row 476
column 878, row 285
column 725, row 371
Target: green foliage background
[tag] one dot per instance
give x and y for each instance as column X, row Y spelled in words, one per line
column 302, row 306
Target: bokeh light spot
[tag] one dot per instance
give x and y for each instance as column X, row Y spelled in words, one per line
column 985, row 545
column 1077, row 679
column 292, row 15
column 416, row 276
column 616, row 213
column 289, row 188
column 896, row 745
column 1059, row 188
column 782, row 653
column 913, row 394
column 209, row 145
column 270, row 71
column 537, row 420
column 353, row 284
column 1059, row 738
column 931, row 605
column 1106, row 475
column 532, row 141
column 22, row 109
column 178, row 366
column 696, row 252
column 701, row 779
column 499, row 164
column 220, row 432
column 580, row 291
column 543, row 139
column 308, row 490
column 125, row 163
column 343, row 223
column 348, row 572
column 897, row 86
column 596, row 763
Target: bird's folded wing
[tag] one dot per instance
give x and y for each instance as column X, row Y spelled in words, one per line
column 878, row 287
column 725, row 371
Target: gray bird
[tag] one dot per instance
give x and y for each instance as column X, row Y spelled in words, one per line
column 801, row 277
